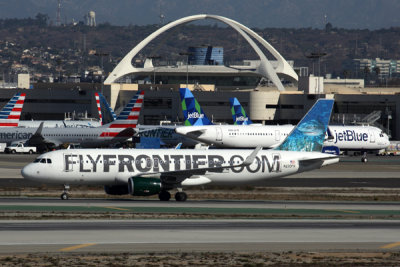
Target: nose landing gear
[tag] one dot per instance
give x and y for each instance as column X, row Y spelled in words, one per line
column 65, row 194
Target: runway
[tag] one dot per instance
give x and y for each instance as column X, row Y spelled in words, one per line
column 220, row 225
column 203, row 235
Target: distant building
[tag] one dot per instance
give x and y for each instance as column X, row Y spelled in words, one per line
column 384, row 68
column 206, row 55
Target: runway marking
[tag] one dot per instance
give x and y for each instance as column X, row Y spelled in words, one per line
column 392, row 245
column 346, row 211
column 77, row 247
column 115, row 208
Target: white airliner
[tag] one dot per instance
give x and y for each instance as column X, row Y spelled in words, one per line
column 144, row 172
column 109, row 134
column 11, row 113
column 344, row 137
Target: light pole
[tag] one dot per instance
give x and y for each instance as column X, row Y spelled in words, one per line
column 154, row 67
column 187, row 54
column 101, row 55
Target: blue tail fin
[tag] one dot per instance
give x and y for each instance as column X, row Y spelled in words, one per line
column 238, row 113
column 192, row 112
column 109, row 109
column 309, row 134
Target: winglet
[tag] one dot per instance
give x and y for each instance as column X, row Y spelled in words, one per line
column 309, row 134
column 252, row 156
column 192, row 112
column 238, row 113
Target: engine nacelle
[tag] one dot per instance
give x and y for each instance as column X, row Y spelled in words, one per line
column 116, row 189
column 139, row 186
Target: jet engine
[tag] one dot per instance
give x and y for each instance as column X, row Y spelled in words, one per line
column 116, row 189
column 139, row 186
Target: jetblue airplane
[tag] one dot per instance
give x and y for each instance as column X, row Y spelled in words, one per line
column 145, row 172
column 115, row 132
column 346, row 138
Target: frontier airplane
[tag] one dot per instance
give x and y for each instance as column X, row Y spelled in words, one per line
column 145, row 172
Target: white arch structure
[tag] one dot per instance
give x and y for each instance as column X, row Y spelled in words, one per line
column 264, row 69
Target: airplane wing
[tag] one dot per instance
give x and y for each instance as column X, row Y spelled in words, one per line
column 196, row 175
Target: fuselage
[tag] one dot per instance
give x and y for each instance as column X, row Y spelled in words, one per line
column 59, row 123
column 247, row 136
column 87, row 137
column 116, row 166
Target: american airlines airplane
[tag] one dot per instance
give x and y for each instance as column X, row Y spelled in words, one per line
column 11, row 113
column 346, row 138
column 145, row 172
column 115, row 132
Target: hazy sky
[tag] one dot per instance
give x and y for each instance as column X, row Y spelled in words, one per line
column 361, row 14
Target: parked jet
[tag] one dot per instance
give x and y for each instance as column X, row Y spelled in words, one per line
column 164, row 133
column 344, row 137
column 145, row 172
column 115, row 132
column 11, row 113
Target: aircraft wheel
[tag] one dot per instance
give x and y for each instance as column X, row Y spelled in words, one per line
column 180, row 196
column 364, row 160
column 64, row 196
column 164, row 195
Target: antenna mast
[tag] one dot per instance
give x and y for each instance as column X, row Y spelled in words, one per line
column 58, row 18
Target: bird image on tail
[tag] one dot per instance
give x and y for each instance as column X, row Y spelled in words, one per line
column 309, row 134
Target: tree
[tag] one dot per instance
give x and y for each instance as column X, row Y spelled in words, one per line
column 41, row 19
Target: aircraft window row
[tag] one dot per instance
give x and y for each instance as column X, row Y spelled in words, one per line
column 70, row 134
column 270, row 134
column 42, row 160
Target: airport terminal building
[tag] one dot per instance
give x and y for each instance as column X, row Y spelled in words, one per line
column 271, row 91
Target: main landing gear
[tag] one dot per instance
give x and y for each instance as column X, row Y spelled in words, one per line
column 166, row 196
column 364, row 158
column 65, row 194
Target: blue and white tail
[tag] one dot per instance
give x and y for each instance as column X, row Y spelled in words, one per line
column 309, row 134
column 102, row 102
column 192, row 112
column 238, row 113
column 11, row 112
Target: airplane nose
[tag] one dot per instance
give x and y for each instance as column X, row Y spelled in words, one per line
column 27, row 172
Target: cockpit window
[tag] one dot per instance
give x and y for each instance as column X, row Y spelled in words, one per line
column 43, row 161
column 37, row 160
column 49, row 161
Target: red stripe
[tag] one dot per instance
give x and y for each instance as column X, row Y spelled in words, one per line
column 9, row 124
column 16, row 109
column 10, row 117
column 23, row 94
column 139, row 101
column 136, row 109
column 122, row 125
column 20, row 102
column 133, row 117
